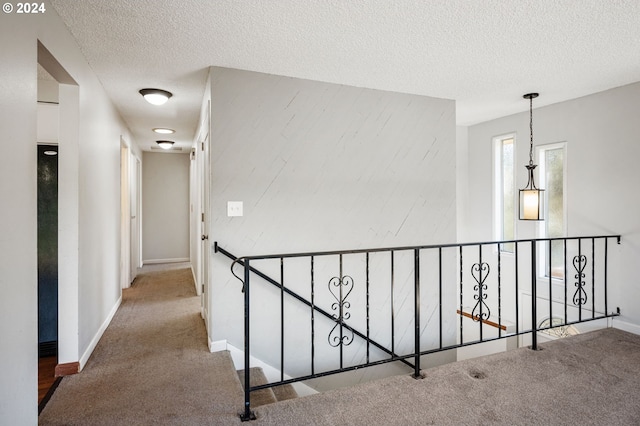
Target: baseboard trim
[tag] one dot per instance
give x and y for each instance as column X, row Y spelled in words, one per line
column 217, row 346
column 94, row 342
column 625, row 326
column 156, row 261
column 67, row 369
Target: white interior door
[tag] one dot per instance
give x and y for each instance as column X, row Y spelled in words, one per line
column 125, row 224
column 205, row 248
column 134, row 216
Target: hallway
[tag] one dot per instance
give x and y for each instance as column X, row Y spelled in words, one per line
column 152, row 365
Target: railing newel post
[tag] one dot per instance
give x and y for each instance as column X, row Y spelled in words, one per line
column 247, row 414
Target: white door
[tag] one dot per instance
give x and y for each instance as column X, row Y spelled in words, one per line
column 125, row 223
column 134, row 203
column 205, row 248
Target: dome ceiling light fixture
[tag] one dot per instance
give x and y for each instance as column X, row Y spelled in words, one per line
column 155, row 96
column 531, row 197
column 163, row 130
column 165, row 144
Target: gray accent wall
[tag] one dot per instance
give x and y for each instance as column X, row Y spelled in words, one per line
column 321, row 166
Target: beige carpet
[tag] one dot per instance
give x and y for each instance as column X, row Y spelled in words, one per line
column 590, row 379
column 152, row 366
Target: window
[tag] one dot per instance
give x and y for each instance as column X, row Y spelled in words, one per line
column 505, row 192
column 552, row 160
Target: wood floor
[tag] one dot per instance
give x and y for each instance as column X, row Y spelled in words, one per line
column 46, row 377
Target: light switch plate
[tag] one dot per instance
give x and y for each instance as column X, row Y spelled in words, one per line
column 234, row 208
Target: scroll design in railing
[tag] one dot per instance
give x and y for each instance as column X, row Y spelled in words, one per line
column 237, row 261
column 580, row 296
column 340, row 288
column 480, row 272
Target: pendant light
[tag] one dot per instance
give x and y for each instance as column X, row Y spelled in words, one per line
column 531, row 198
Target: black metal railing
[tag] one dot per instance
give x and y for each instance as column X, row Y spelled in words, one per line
column 400, row 304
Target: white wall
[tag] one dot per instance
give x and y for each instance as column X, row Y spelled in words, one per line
column 322, row 166
column 165, row 207
column 89, row 198
column 601, row 132
column 18, row 246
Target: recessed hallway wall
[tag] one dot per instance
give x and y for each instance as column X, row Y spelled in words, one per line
column 165, row 207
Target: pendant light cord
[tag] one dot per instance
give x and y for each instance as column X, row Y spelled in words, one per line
column 531, row 131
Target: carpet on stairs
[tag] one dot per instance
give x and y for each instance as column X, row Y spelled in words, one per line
column 267, row 395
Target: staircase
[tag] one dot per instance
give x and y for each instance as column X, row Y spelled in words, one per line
column 268, row 395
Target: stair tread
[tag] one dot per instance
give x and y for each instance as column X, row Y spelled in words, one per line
column 262, row 396
column 284, row 392
column 268, row 395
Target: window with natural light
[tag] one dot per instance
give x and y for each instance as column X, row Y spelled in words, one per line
column 505, row 191
column 552, row 160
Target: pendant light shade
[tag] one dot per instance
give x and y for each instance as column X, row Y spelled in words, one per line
column 531, row 197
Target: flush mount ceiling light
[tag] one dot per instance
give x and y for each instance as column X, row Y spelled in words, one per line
column 155, row 96
column 531, row 198
column 50, row 152
column 163, row 131
column 165, row 144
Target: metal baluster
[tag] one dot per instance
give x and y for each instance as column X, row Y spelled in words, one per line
column 579, row 276
column 550, row 287
column 340, row 310
column 606, row 270
column 517, row 291
column 499, row 296
column 367, row 290
column 480, row 289
column 461, row 302
column 281, row 319
column 416, row 319
column 566, row 289
column 393, row 320
column 440, row 291
column 593, row 278
column 313, row 324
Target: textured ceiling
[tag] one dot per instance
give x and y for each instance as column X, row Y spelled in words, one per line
column 483, row 54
